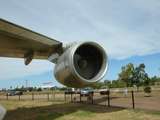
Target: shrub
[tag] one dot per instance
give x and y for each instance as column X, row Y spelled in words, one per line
column 147, row 89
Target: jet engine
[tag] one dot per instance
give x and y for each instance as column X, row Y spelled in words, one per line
column 81, row 65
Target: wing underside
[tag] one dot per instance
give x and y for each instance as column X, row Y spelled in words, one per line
column 17, row 42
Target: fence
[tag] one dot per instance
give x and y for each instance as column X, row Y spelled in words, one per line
column 131, row 99
column 47, row 96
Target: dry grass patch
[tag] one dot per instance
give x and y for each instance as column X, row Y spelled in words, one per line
column 43, row 110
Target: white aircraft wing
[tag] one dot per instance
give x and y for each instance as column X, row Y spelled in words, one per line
column 19, row 42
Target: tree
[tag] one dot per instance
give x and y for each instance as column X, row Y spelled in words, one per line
column 118, row 84
column 10, row 87
column 155, row 80
column 126, row 74
column 146, row 80
column 39, row 89
column 98, row 85
column 140, row 77
column 114, row 84
column 30, row 89
column 107, row 83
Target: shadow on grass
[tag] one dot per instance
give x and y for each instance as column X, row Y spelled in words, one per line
column 54, row 111
column 104, row 99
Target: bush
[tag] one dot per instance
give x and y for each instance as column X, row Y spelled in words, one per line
column 147, row 89
column 39, row 89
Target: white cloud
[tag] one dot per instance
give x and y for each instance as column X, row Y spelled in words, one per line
column 124, row 28
column 12, row 68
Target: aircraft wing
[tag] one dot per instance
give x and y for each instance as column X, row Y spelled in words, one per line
column 19, row 42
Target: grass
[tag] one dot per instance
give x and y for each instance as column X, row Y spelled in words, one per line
column 43, row 110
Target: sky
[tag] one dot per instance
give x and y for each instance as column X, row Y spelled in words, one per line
column 129, row 31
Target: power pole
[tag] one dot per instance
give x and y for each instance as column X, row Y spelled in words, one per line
column 26, row 83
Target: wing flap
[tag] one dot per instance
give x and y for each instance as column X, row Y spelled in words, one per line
column 16, row 41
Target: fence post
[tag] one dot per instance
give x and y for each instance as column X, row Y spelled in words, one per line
column 80, row 97
column 53, row 93
column 48, row 96
column 32, row 96
column 133, row 102
column 71, row 97
column 92, row 97
column 65, row 96
column 7, row 96
column 108, row 98
column 19, row 97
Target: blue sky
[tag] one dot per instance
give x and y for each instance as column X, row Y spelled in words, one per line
column 128, row 30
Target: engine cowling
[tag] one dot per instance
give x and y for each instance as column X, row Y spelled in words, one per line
column 81, row 65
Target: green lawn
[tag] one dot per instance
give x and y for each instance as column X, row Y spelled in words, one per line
column 43, row 110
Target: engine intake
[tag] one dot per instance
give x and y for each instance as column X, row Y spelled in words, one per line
column 81, row 65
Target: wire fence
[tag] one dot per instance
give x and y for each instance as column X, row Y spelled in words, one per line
column 130, row 99
column 47, row 96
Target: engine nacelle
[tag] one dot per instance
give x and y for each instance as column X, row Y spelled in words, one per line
column 81, row 65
